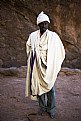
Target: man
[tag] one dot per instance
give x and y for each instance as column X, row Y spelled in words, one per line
column 45, row 54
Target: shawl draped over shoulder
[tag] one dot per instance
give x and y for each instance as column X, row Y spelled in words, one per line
column 44, row 60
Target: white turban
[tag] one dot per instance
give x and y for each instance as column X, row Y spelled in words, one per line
column 42, row 17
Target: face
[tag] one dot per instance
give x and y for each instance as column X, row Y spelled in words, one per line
column 43, row 26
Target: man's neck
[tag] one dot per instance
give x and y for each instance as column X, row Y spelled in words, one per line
column 42, row 32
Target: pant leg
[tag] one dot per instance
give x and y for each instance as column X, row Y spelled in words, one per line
column 51, row 101
column 42, row 102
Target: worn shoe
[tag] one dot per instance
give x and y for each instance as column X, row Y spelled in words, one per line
column 41, row 112
column 52, row 116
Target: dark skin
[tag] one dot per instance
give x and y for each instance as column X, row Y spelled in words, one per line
column 43, row 26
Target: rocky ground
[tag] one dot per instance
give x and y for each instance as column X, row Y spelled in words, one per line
column 14, row 106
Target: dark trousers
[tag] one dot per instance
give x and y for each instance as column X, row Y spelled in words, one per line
column 47, row 101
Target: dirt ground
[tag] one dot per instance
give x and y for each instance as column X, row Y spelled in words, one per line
column 14, row 106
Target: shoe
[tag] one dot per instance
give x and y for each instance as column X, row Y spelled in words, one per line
column 52, row 116
column 41, row 112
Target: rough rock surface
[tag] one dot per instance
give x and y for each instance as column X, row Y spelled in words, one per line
column 14, row 106
column 18, row 19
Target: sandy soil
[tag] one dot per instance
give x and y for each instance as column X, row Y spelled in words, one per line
column 14, row 106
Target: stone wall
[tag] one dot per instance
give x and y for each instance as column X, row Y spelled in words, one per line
column 18, row 20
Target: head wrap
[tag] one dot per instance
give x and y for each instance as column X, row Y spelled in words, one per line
column 42, row 17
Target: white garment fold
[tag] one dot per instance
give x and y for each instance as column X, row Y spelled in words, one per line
column 50, row 54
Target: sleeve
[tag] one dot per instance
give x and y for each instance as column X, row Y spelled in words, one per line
column 28, row 46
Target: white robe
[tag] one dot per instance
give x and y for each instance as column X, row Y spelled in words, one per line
column 50, row 54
